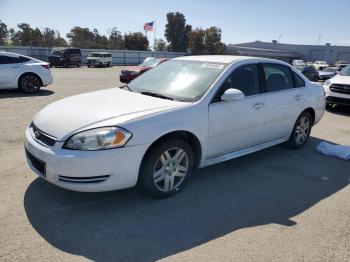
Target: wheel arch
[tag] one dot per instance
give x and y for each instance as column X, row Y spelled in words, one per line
column 28, row 73
column 312, row 112
column 189, row 137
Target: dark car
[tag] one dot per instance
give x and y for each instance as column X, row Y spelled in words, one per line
column 132, row 72
column 310, row 72
column 65, row 57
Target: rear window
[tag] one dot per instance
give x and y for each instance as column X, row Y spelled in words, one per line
column 277, row 77
column 12, row 59
column 298, row 81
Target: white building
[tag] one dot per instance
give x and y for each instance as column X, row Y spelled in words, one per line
column 311, row 53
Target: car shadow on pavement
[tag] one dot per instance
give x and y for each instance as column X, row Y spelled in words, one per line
column 270, row 186
column 18, row 93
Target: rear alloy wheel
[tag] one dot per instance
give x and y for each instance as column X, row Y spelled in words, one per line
column 301, row 131
column 30, row 83
column 167, row 168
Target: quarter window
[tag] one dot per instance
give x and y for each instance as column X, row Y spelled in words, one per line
column 277, row 77
column 299, row 82
column 12, row 60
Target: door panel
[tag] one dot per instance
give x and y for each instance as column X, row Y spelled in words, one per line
column 236, row 125
column 8, row 75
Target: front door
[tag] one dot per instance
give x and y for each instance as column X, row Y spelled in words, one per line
column 235, row 125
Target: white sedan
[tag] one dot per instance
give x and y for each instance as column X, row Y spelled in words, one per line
column 23, row 72
column 189, row 112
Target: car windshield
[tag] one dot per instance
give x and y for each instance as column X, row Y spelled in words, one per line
column 95, row 55
column 345, row 71
column 181, row 80
column 57, row 52
column 299, row 62
column 329, row 69
column 323, row 62
column 150, row 62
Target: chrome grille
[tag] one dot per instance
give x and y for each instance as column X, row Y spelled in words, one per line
column 339, row 88
column 42, row 137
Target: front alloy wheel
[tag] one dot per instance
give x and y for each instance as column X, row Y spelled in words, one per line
column 30, row 83
column 170, row 169
column 166, row 168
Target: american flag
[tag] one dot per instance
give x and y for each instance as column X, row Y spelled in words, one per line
column 148, row 26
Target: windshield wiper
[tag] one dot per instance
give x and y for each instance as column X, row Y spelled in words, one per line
column 127, row 87
column 157, row 95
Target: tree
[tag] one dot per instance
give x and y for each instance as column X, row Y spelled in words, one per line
column 3, row 33
column 212, row 41
column 81, row 37
column 136, row 41
column 177, row 32
column 100, row 41
column 115, row 39
column 160, row 45
column 196, row 41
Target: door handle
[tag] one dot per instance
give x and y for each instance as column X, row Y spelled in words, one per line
column 298, row 97
column 257, row 106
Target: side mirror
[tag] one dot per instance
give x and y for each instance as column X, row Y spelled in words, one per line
column 232, row 94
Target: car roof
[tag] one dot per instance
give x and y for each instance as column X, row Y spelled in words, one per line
column 228, row 59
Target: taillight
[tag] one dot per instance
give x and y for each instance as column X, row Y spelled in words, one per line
column 46, row 66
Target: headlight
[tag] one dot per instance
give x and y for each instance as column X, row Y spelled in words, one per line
column 328, row 82
column 98, row 139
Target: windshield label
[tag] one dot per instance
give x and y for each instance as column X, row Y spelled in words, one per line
column 213, row 66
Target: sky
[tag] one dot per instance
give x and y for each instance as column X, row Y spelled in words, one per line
column 293, row 21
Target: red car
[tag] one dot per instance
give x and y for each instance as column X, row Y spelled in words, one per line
column 132, row 72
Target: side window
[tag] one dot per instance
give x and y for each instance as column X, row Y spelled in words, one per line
column 245, row 78
column 298, row 81
column 12, row 60
column 277, row 77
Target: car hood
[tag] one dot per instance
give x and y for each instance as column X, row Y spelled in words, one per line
column 339, row 79
column 70, row 115
column 326, row 73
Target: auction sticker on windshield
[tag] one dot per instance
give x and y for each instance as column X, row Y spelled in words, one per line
column 213, row 66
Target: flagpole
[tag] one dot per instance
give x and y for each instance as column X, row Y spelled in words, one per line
column 154, row 37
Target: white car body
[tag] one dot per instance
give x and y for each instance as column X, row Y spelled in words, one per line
column 224, row 130
column 10, row 73
column 99, row 59
column 319, row 65
column 338, row 89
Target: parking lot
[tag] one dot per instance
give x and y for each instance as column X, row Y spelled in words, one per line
column 274, row 205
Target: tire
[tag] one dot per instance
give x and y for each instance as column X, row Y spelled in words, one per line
column 78, row 65
column 108, row 64
column 29, row 83
column 301, row 131
column 166, row 168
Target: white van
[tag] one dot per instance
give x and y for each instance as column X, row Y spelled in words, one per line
column 99, row 59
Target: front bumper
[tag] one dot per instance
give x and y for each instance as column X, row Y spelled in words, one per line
column 336, row 98
column 84, row 170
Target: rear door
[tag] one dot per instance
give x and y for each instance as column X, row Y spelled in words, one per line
column 10, row 67
column 284, row 91
column 235, row 125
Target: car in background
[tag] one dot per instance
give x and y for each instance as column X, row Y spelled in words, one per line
column 131, row 72
column 340, row 64
column 338, row 88
column 320, row 65
column 23, row 72
column 187, row 113
column 65, row 56
column 298, row 62
column 310, row 72
column 327, row 73
column 99, row 59
column 310, row 63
